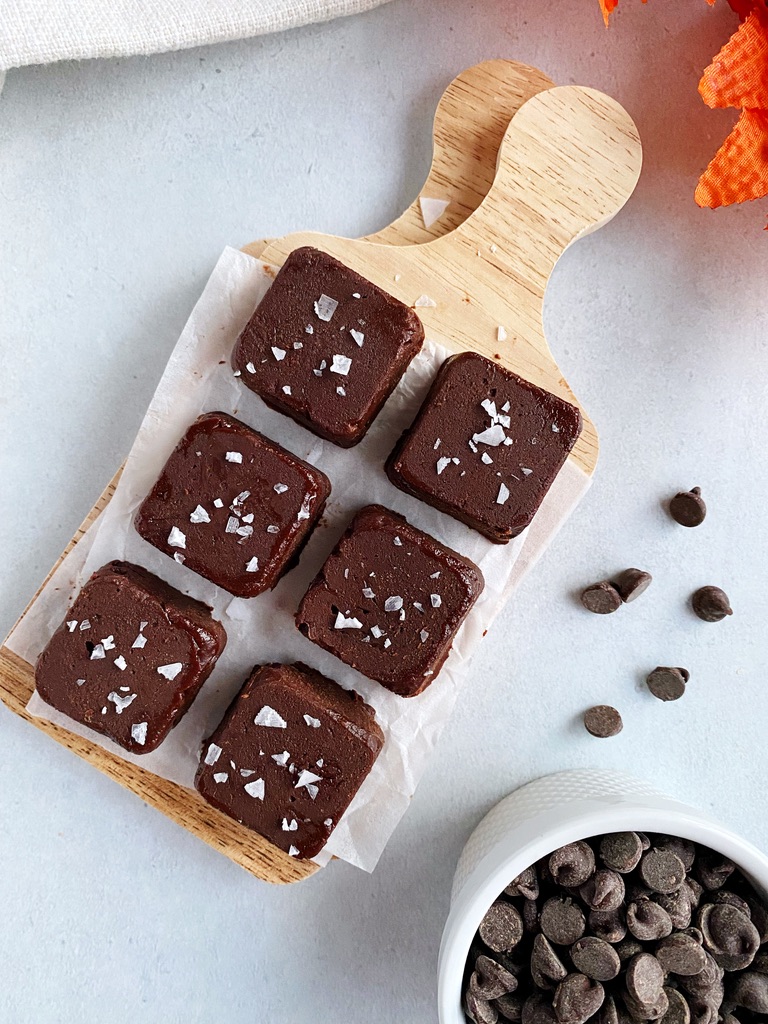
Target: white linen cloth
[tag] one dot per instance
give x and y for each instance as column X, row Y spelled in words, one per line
column 43, row 31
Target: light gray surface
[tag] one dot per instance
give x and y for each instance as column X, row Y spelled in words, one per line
column 119, row 184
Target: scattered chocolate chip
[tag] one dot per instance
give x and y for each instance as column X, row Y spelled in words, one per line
column 647, row 921
column 707, row 985
column 681, row 954
column 603, row 891
column 572, row 865
column 577, row 998
column 759, row 915
column 646, row 1011
column 608, row 924
column 603, row 721
column 632, row 583
column 662, row 870
column 646, row 842
column 509, row 1007
column 562, row 920
column 526, row 884
column 711, row 604
column 668, row 683
column 729, row 936
column 621, row 851
column 595, row 958
column 502, row 927
column 750, row 990
column 601, row 598
column 678, row 1011
column 695, row 890
column 687, row 507
column 489, row 980
column 547, row 969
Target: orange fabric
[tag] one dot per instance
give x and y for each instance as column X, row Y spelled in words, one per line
column 738, row 76
column 739, row 169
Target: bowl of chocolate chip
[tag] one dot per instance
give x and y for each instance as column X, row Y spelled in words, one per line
column 587, row 896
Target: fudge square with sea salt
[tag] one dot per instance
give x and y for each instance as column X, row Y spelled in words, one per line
column 290, row 753
column 233, row 506
column 485, row 447
column 389, row 601
column 326, row 347
column 130, row 657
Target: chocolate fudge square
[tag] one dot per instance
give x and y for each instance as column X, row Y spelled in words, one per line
column 290, row 753
column 233, row 506
column 389, row 601
column 130, row 657
column 326, row 347
column 485, row 447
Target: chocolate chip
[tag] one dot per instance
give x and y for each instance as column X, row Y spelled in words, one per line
column 526, row 884
column 603, row 721
column 648, row 921
column 695, row 891
column 489, row 980
column 562, row 920
column 677, row 905
column 688, row 508
column 712, row 870
column 603, row 891
column 667, row 683
column 646, row 842
column 595, row 958
column 628, row 948
column 577, row 998
column 608, row 924
column 572, row 865
column 724, row 896
column 760, row 963
column 711, row 604
column 601, row 598
column 750, row 990
column 695, row 934
column 480, row 1011
column 502, row 927
column 531, row 917
column 632, row 583
column 645, row 978
column 662, row 870
column 759, row 915
column 684, row 848
column 646, row 1011
column 729, row 936
column 681, row 954
column 547, row 969
column 509, row 1007
column 707, row 985
column 608, row 1013
column 537, row 1009
column 678, row 1011
column 621, row 851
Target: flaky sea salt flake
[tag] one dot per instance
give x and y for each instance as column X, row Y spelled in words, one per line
column 252, row 565
column 269, row 718
column 492, row 436
column 255, row 789
column 432, row 209
column 325, row 307
column 313, row 723
column 503, row 494
column 435, row 600
column 280, row 488
column 212, row 754
column 342, row 622
column 121, row 663
column 393, row 604
column 170, row 671
column 278, row 353
column 121, row 703
column 139, row 733
column 234, row 457
column 341, row 364
column 358, row 337
column 199, row 515
column 424, row 302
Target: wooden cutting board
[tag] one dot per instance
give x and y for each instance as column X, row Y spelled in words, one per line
column 567, row 163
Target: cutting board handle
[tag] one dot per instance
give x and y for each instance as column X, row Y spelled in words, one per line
column 568, row 162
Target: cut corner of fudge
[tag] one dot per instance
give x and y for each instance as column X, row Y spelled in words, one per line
column 233, row 506
column 326, row 346
column 486, row 446
column 130, row 656
column 289, row 755
column 390, row 600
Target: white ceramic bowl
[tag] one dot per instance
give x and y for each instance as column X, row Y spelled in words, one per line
column 550, row 812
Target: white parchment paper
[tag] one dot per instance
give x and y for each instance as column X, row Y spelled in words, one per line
column 199, row 378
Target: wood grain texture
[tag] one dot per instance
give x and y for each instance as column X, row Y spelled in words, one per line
column 469, row 126
column 568, row 162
